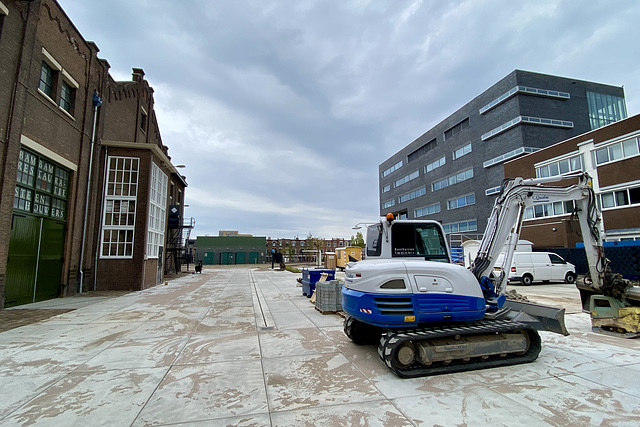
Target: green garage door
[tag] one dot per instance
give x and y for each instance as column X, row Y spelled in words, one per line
column 253, row 257
column 36, row 242
column 240, row 256
column 34, row 267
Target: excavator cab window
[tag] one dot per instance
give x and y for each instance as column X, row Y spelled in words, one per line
column 374, row 238
column 418, row 240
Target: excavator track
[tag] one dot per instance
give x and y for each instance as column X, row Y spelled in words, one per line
column 456, row 348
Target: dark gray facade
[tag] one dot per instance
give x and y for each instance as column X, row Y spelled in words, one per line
column 521, row 113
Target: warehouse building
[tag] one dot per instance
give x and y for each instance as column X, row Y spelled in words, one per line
column 85, row 181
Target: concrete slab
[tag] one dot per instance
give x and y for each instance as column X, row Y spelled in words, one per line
column 242, row 346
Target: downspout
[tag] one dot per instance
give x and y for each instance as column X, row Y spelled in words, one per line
column 97, row 101
column 99, row 242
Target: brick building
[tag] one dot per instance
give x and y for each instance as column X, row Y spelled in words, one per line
column 52, row 156
column 302, row 249
column 611, row 156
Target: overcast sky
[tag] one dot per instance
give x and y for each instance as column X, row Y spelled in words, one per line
column 283, row 110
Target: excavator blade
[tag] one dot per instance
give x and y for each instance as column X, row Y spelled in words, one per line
column 538, row 317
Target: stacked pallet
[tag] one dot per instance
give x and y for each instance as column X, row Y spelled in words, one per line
column 328, row 296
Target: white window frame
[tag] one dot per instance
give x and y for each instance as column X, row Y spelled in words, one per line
column 158, row 184
column 122, row 193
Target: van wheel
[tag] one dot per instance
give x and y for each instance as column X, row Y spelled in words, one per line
column 527, row 280
column 570, row 278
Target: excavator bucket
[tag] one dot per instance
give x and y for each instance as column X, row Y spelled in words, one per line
column 538, row 317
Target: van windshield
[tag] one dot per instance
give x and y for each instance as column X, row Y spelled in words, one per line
column 418, row 240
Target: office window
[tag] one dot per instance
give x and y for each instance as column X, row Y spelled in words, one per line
column 429, row 210
column 120, row 207
column 492, row 190
column 392, row 169
column 509, row 155
column 549, row 209
column 434, row 165
column 617, row 151
column 605, row 109
column 388, row 204
column 157, row 211
column 413, row 195
column 525, row 90
column 386, row 188
column 527, row 120
column 620, row 198
column 462, row 151
column 461, row 227
column 560, row 167
column 47, row 81
column 451, row 132
column 405, row 179
column 420, row 151
column 453, row 179
column 460, row 202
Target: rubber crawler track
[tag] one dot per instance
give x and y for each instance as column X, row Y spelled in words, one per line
column 391, row 341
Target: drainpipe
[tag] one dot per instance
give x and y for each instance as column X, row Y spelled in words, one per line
column 97, row 101
column 99, row 243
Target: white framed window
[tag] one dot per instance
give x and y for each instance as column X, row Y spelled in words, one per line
column 544, row 210
column 453, row 179
column 388, row 203
column 560, row 167
column 619, row 198
column 392, row 169
column 119, row 217
column 459, row 202
column 413, row 175
column 461, row 227
column 412, row 195
column 428, row 210
column 617, row 151
column 462, row 151
column 157, row 211
column 436, row 164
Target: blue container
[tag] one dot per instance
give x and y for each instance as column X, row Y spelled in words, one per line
column 310, row 277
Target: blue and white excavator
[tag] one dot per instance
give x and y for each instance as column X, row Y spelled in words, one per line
column 430, row 316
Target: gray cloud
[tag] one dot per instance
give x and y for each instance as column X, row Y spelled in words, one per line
column 282, row 110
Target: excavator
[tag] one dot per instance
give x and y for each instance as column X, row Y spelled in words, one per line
column 430, row 316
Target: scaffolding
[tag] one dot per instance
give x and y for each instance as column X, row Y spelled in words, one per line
column 178, row 234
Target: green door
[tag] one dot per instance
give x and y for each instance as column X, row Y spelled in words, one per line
column 253, row 257
column 240, row 257
column 34, row 267
column 226, row 258
column 21, row 265
column 50, row 261
column 208, row 258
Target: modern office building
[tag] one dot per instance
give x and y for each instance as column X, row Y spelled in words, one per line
column 611, row 156
column 453, row 171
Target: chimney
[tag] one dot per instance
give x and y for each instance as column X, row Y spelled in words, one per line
column 138, row 74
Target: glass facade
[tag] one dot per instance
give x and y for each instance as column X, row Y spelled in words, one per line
column 605, row 109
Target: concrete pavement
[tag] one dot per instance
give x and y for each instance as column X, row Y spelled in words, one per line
column 244, row 347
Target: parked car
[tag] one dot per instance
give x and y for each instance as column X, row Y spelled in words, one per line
column 527, row 267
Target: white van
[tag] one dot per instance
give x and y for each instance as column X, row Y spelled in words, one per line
column 539, row 266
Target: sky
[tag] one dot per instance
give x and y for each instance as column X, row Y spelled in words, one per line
column 282, row 111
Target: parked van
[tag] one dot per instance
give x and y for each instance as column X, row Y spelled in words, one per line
column 528, row 267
